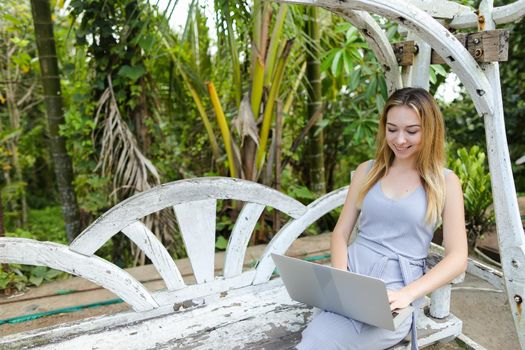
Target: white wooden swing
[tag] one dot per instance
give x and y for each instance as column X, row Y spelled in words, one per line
column 245, row 309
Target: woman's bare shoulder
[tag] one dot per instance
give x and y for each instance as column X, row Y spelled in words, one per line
column 361, row 170
column 452, row 182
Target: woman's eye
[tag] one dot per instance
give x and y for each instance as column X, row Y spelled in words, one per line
column 390, row 130
column 412, row 132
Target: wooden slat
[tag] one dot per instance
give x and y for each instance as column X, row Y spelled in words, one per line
column 284, row 238
column 240, row 237
column 501, row 15
column 405, row 52
column 178, row 192
column 219, row 285
column 441, row 9
column 248, row 317
column 486, row 46
column 197, row 226
column 156, row 252
column 93, row 268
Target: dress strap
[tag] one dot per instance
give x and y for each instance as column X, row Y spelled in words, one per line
column 370, row 163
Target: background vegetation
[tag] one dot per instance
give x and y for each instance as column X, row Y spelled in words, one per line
column 145, row 104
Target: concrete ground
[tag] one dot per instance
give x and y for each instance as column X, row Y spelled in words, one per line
column 484, row 309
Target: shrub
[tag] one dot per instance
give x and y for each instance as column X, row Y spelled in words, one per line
column 471, row 169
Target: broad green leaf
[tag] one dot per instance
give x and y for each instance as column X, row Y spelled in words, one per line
column 380, row 102
column 36, row 280
column 12, row 19
column 221, row 243
column 439, row 69
column 327, row 60
column 336, row 68
column 347, row 62
column 371, row 88
column 432, row 76
column 39, row 271
column 132, row 73
column 355, row 75
column 146, row 42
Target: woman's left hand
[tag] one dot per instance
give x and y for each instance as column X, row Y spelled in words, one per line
column 399, row 299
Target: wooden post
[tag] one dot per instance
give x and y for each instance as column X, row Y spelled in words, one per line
column 508, row 221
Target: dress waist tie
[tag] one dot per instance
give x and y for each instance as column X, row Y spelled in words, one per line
column 406, row 273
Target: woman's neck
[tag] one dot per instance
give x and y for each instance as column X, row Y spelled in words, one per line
column 404, row 163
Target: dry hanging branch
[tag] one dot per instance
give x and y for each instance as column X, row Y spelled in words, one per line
column 131, row 170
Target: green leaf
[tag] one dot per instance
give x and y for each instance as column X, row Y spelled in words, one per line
column 371, row 88
column 380, row 102
column 347, row 62
column 382, row 87
column 221, row 243
column 146, row 42
column 36, row 280
column 12, row 19
column 132, row 73
column 301, row 192
column 52, row 274
column 432, row 76
column 439, row 69
column 39, row 271
column 336, row 67
column 355, row 75
column 327, row 60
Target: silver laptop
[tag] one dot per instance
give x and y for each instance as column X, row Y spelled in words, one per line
column 359, row 297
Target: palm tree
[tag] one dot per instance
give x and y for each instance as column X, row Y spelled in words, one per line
column 315, row 144
column 55, row 114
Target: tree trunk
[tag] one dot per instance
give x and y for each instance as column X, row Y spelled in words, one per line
column 314, row 144
column 139, row 113
column 55, row 115
column 2, row 232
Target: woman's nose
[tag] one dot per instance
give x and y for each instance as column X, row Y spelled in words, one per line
column 400, row 138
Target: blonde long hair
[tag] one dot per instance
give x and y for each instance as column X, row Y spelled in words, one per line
column 430, row 158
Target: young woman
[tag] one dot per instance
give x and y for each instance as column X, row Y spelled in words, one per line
column 402, row 195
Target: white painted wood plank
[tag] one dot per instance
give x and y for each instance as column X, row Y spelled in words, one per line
column 440, row 302
column 219, row 285
column 431, row 331
column 469, row 343
column 284, row 238
column 509, row 13
column 226, row 320
column 431, row 31
column 197, row 227
column 441, row 9
column 475, row 268
column 106, row 322
column 501, row 15
column 94, row 269
column 420, row 69
column 240, row 237
column 509, row 226
column 156, row 252
column 174, row 193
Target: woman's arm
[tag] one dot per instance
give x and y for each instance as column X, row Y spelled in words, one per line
column 347, row 219
column 456, row 249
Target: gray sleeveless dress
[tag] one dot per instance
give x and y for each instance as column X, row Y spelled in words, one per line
column 392, row 245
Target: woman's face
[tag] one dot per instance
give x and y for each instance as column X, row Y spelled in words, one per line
column 403, row 132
